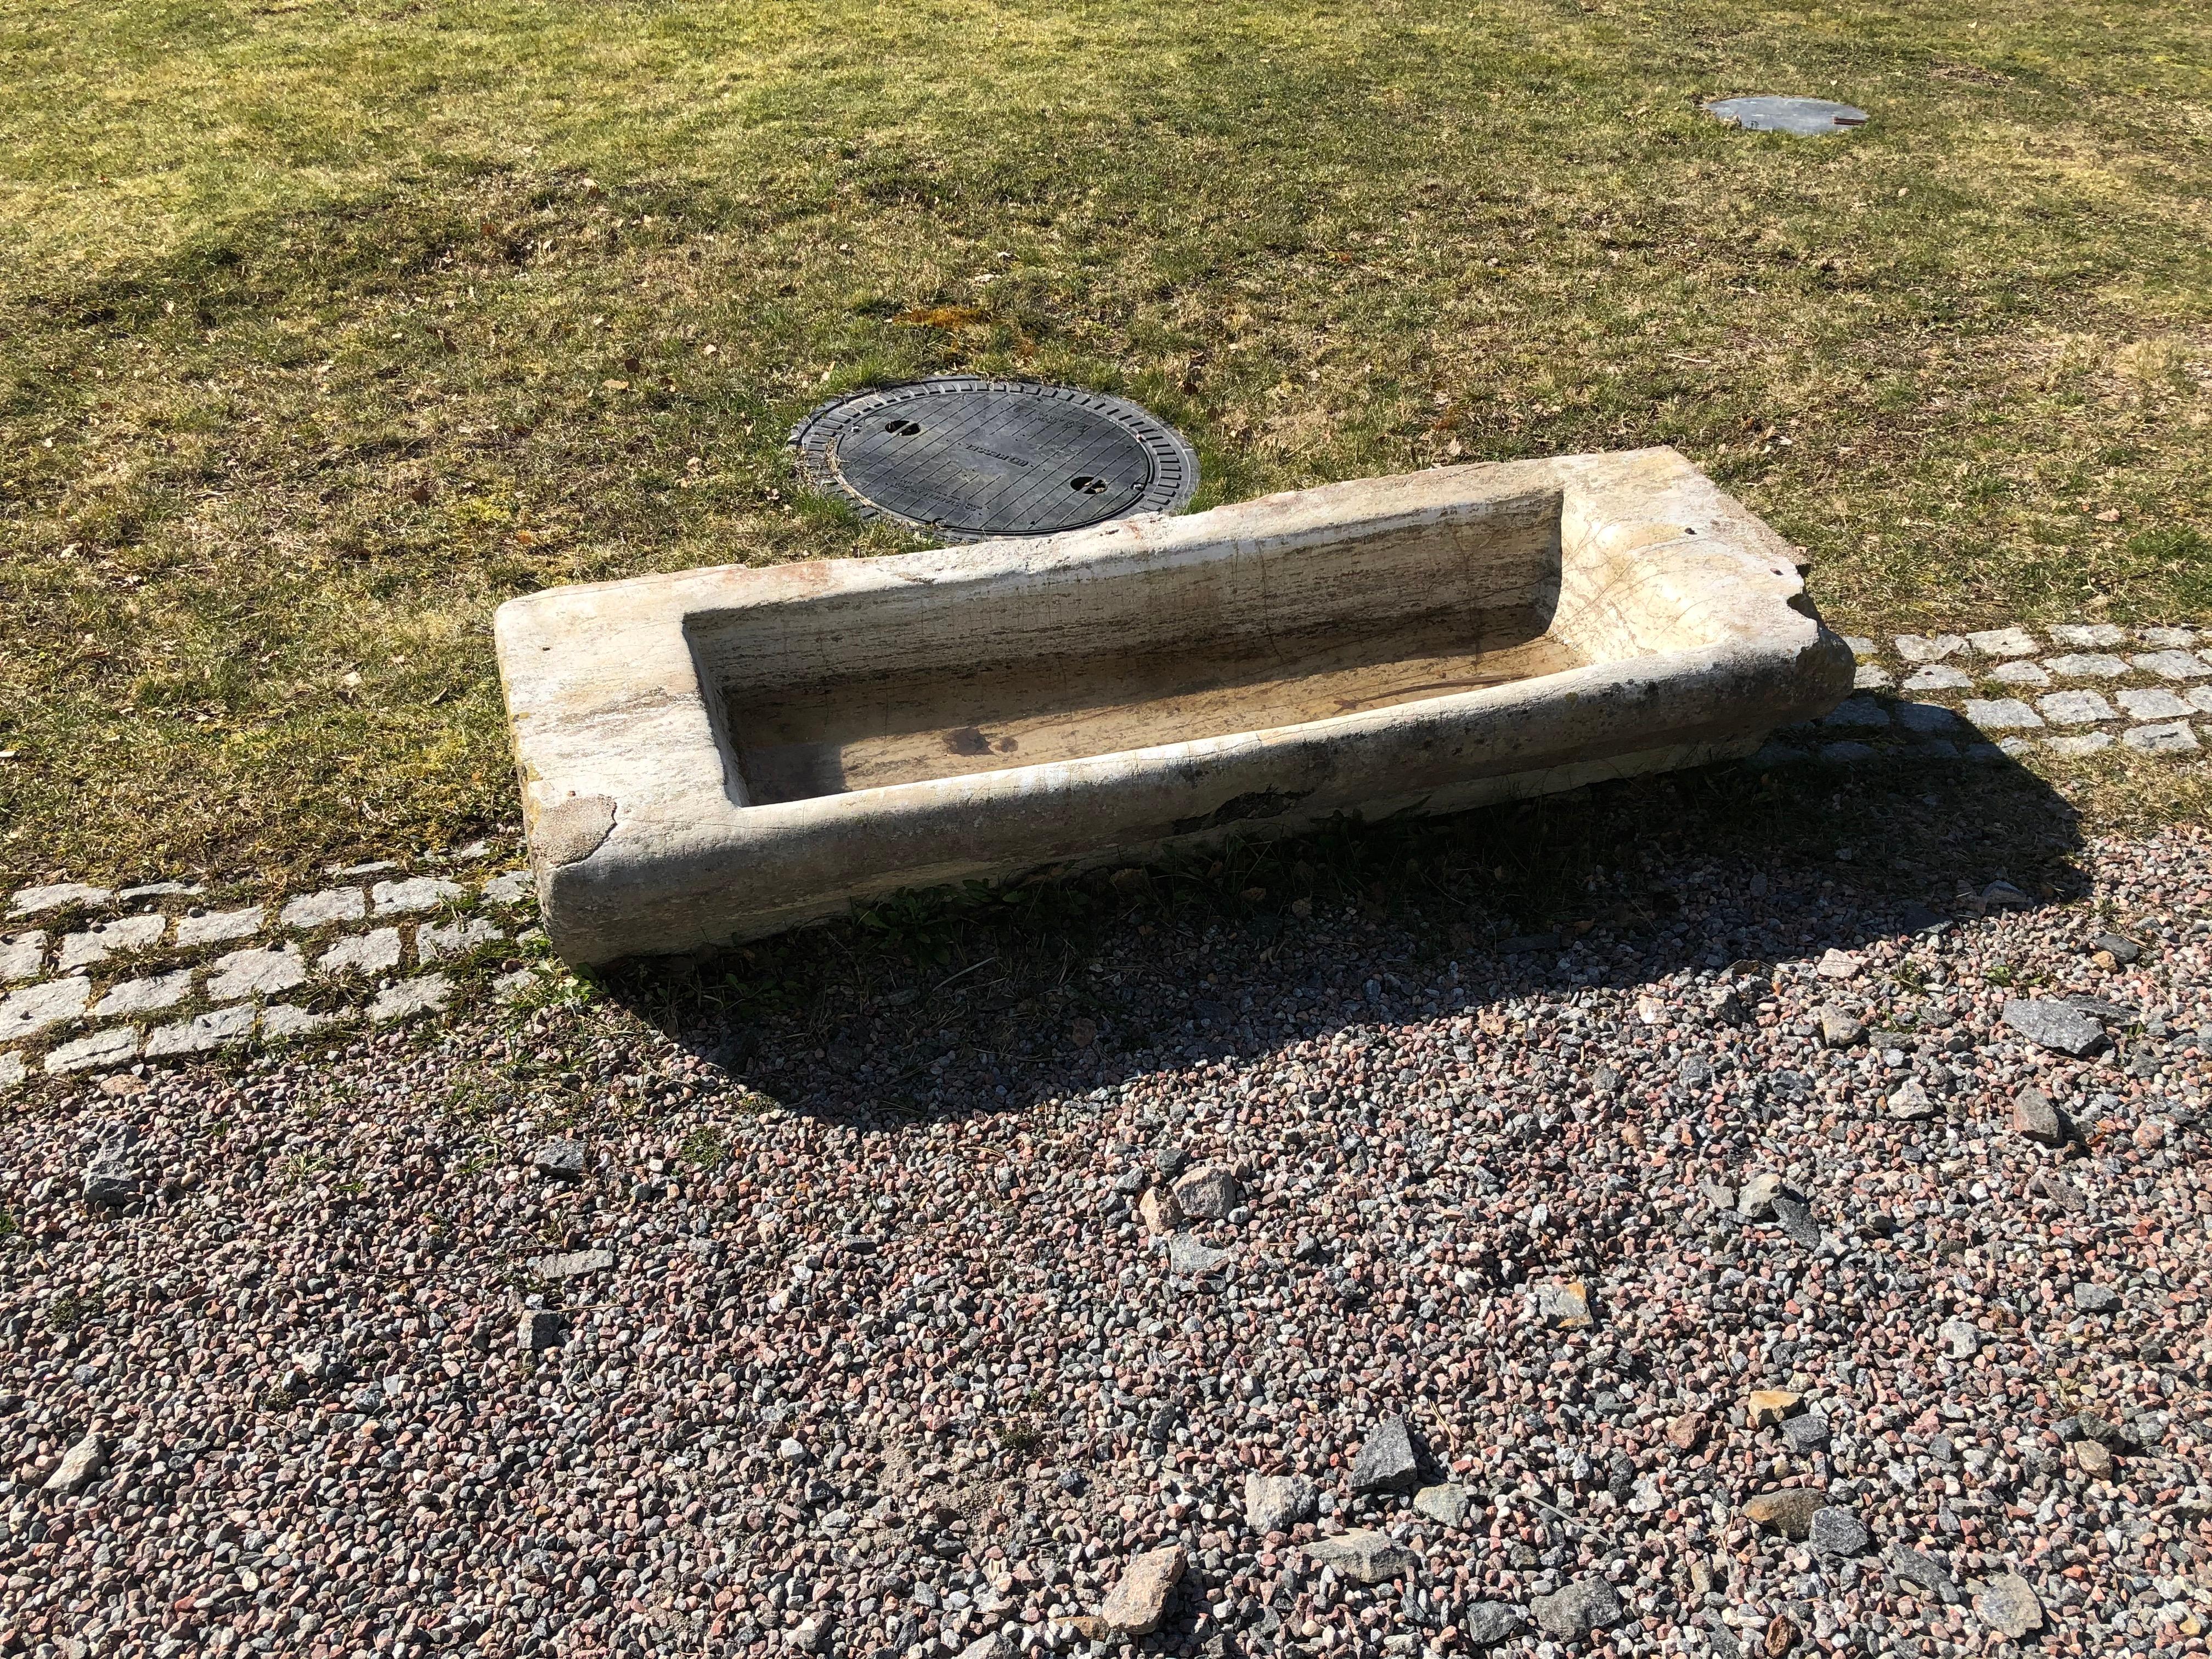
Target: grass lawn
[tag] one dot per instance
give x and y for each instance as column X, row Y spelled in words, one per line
column 323, row 329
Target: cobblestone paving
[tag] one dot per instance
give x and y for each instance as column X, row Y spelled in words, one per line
column 2065, row 693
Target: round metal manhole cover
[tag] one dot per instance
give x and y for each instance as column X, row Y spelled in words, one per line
column 1809, row 118
column 966, row 459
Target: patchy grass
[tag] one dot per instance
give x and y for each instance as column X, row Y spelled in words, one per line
column 323, row 329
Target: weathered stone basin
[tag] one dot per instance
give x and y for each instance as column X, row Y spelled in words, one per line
column 723, row 753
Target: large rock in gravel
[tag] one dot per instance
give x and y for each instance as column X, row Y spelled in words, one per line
column 1796, row 1220
column 1447, row 1505
column 1489, row 1623
column 1369, row 1557
column 111, row 1182
column 80, row 1467
column 2008, row 1605
column 1139, row 1601
column 1840, row 1029
column 2035, row 1117
column 1839, row 1532
column 1159, row 1210
column 1959, row 1337
column 1768, row 1407
column 1917, row 1568
column 571, row 1264
column 1807, row 1434
column 1387, row 1461
column 1191, row 1255
column 1276, row 1503
column 2057, row 1026
column 1208, row 1192
column 539, row 1328
column 1563, row 1306
column 561, row 1160
column 1789, row 1512
column 1755, row 1202
column 1586, row 1605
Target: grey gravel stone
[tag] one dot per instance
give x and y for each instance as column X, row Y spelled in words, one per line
column 574, row 1264
column 1918, row 1567
column 1491, row 1622
column 540, row 1329
column 1276, row 1503
column 2009, row 1606
column 80, row 1467
column 1807, row 1433
column 1959, row 1337
column 1797, row 1221
column 1191, row 1255
column 1755, row 1202
column 2091, row 1298
column 1839, row 1532
column 2122, row 950
column 1910, row 1102
column 2054, row 1025
column 1448, row 1504
column 1388, row 1459
column 1840, row 1029
column 563, row 1160
column 1207, row 1193
column 1587, row 1604
column 1139, row 1599
column 1363, row 1556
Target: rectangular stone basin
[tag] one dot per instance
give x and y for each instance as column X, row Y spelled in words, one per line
column 720, row 754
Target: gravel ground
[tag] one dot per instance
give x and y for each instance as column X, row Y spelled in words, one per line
column 884, row 1355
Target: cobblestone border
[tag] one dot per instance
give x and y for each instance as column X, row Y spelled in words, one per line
column 2005, row 692
column 93, row 978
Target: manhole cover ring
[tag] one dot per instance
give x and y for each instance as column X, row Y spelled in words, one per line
column 1808, row 117
column 967, row 459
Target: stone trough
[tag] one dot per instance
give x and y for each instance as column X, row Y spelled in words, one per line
column 720, row 754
